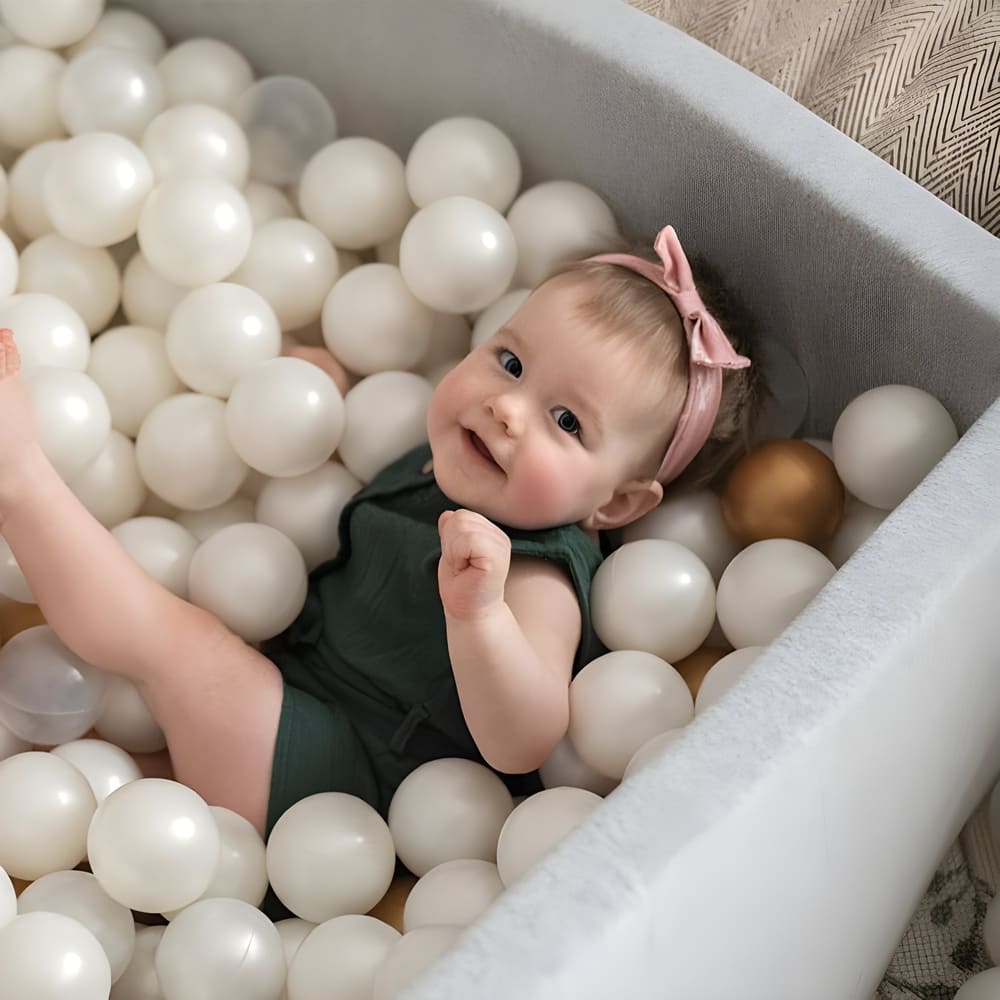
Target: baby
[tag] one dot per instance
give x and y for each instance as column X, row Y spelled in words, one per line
column 456, row 611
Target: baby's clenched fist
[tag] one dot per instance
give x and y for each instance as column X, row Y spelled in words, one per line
column 475, row 559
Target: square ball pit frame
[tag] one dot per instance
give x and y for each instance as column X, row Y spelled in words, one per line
column 778, row 851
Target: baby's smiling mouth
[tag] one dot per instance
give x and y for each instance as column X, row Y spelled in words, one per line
column 480, row 446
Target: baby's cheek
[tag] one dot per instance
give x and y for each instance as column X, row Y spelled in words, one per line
column 552, row 488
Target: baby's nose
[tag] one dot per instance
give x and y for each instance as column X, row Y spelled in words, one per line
column 508, row 410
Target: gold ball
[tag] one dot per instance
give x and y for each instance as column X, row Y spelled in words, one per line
column 783, row 489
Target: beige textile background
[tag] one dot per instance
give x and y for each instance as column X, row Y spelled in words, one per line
column 916, row 82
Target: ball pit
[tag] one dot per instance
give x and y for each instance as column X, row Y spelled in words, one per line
column 385, row 413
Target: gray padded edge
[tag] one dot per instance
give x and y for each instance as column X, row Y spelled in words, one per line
column 865, row 276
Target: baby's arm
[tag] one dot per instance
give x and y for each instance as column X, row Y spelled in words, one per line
column 513, row 629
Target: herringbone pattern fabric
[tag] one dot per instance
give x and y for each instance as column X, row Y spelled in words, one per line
column 916, row 81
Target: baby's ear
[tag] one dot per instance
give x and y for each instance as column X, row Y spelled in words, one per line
column 630, row 502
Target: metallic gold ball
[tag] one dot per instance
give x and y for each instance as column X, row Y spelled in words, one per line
column 783, row 489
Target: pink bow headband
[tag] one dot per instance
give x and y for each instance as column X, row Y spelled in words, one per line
column 709, row 349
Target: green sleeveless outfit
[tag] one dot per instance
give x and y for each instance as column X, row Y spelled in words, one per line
column 369, row 693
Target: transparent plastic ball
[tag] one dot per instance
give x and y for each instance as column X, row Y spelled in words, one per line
column 46, row 807
column 194, row 230
column 218, row 332
column 96, row 187
column 79, row 896
column 458, row 254
column 48, row 694
column 185, row 455
column 153, row 845
column 47, row 331
column 330, row 854
column 251, row 577
column 197, row 139
column 285, row 416
column 110, row 90
column 287, row 120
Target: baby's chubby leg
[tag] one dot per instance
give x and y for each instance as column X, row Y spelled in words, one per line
column 217, row 699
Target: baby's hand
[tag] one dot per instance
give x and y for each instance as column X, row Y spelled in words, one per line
column 17, row 428
column 475, row 558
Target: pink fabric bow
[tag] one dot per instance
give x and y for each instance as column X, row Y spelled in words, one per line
column 709, row 349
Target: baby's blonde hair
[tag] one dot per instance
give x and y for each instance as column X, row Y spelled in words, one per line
column 625, row 303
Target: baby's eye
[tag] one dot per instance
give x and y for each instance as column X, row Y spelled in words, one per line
column 566, row 419
column 510, row 363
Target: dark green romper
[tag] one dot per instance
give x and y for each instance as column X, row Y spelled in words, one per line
column 369, row 692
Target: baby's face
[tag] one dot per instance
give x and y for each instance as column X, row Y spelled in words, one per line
column 539, row 425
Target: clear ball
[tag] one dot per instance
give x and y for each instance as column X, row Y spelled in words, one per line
column 448, row 809
column 153, row 845
column 251, row 577
column 48, row 694
column 457, row 255
column 287, row 121
column 330, row 854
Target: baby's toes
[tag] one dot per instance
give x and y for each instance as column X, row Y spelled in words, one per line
column 10, row 359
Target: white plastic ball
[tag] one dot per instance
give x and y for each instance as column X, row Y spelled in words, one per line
column 453, row 892
column 385, row 415
column 693, row 520
column 48, row 956
column 537, row 824
column 564, row 767
column 649, row 751
column 194, row 230
column 457, row 254
column 373, row 323
column 856, row 527
column 267, row 203
column 449, row 342
column 47, row 331
column 131, row 366
column 251, row 577
column 723, row 674
column 217, row 332
column 241, row 872
column 185, row 455
column 105, row 766
column 123, row 29
column 4, row 191
column 409, row 956
column 46, row 807
column 619, row 701
column 139, row 980
column 147, row 297
column 85, row 278
column 307, row 509
column 198, row 140
column 126, row 721
column 205, row 70
column 96, row 187
column 982, row 986
column 110, row 90
column 653, row 595
column 294, row 266
column 205, row 523
column 51, row 23
column 766, row 586
column 287, row 121
column 78, row 896
column 12, row 582
column 354, row 191
column 285, row 417
column 448, row 809
column 26, row 198
column 496, row 314
column 556, row 222
column 220, row 948
column 29, row 96
column 8, row 899
column 330, row 854
column 48, row 694
column 153, row 845
column 887, row 439
column 347, row 951
column 292, row 932
column 163, row 548
column 110, row 487
column 463, row 155
column 9, row 266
